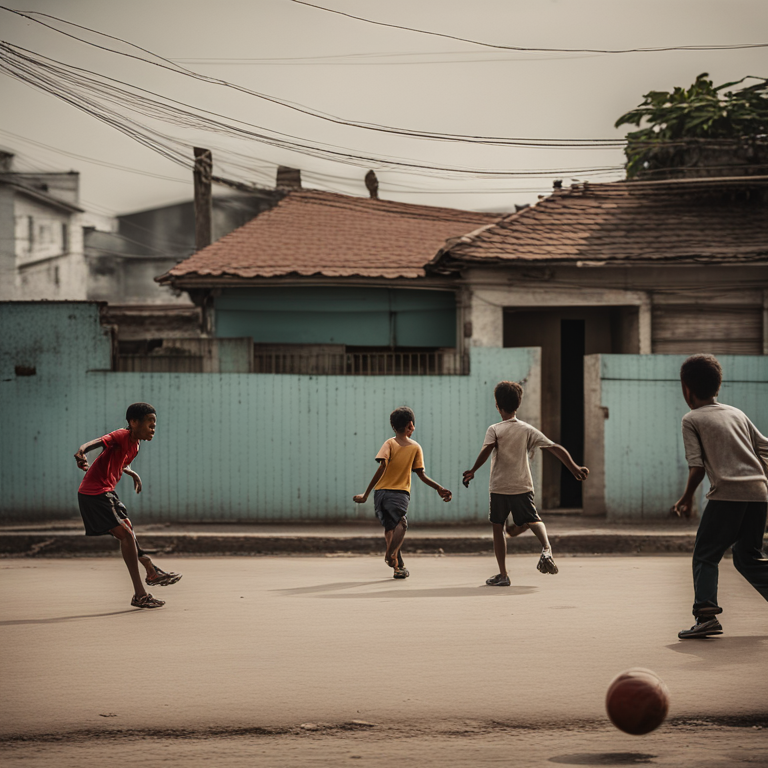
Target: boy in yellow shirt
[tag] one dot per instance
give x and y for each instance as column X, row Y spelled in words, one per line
column 398, row 457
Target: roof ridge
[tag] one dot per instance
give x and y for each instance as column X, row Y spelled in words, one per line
column 380, row 202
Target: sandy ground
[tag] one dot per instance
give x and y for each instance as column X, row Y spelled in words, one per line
column 270, row 661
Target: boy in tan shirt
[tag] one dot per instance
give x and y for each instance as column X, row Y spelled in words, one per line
column 398, row 457
column 722, row 444
column 510, row 443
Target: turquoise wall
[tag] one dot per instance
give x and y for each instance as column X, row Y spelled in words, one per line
column 645, row 467
column 352, row 316
column 230, row 446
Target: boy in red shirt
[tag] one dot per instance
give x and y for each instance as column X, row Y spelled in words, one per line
column 104, row 513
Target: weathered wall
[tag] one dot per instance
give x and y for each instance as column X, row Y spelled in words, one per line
column 7, row 245
column 233, row 446
column 366, row 317
column 643, row 288
column 635, row 409
column 51, row 264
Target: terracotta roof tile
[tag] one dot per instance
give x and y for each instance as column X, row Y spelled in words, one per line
column 624, row 221
column 310, row 232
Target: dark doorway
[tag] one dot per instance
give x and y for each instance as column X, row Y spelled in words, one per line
column 572, row 346
column 565, row 335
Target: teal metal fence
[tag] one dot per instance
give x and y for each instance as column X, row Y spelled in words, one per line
column 645, row 467
column 231, row 446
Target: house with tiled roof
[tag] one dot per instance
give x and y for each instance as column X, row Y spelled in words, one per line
column 326, row 275
column 676, row 267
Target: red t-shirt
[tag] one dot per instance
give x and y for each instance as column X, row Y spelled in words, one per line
column 119, row 451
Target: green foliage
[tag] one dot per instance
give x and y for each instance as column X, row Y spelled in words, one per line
column 674, row 121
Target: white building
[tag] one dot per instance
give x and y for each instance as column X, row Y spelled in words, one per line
column 41, row 235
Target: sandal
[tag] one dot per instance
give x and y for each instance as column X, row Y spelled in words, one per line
column 146, row 601
column 162, row 579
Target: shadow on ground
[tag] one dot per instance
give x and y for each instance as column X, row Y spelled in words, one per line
column 323, row 590
column 604, row 758
column 57, row 619
column 721, row 650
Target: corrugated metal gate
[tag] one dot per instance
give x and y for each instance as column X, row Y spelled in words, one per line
column 717, row 329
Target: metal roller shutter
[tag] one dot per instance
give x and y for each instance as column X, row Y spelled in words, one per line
column 725, row 330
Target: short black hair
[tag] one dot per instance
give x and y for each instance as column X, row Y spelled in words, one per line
column 401, row 417
column 509, row 395
column 703, row 375
column 137, row 411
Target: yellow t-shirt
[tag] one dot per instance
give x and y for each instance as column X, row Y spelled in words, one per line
column 400, row 461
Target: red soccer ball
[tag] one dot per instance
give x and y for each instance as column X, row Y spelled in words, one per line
column 637, row 701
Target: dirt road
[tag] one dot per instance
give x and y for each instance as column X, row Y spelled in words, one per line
column 272, row 660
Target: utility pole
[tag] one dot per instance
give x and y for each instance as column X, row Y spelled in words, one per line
column 203, row 198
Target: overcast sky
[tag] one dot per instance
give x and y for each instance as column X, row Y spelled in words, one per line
column 367, row 73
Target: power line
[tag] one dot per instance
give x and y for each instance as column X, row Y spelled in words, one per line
column 537, row 50
column 350, row 60
column 73, row 86
column 93, row 160
column 169, row 65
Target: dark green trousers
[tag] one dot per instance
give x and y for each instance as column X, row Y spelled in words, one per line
column 724, row 524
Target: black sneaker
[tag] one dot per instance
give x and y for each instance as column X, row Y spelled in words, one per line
column 498, row 581
column 704, row 627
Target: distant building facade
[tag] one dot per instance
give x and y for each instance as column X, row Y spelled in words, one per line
column 41, row 235
column 123, row 264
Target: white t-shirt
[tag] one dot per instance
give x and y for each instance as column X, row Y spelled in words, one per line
column 513, row 442
column 734, row 454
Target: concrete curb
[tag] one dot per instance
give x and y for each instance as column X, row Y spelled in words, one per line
column 64, row 545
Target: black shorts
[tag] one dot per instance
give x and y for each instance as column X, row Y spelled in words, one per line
column 391, row 507
column 519, row 505
column 102, row 513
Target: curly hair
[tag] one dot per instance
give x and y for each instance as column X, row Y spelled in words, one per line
column 703, row 375
column 509, row 395
column 401, row 417
column 137, row 411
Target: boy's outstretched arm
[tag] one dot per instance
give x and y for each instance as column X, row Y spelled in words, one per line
column 82, row 461
column 444, row 493
column 684, row 506
column 481, row 459
column 580, row 473
column 136, row 479
column 361, row 498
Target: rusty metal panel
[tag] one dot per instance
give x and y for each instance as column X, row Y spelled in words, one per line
column 717, row 329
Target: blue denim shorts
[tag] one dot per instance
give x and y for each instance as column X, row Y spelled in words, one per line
column 391, row 507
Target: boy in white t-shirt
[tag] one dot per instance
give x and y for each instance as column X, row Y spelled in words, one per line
column 721, row 443
column 511, row 442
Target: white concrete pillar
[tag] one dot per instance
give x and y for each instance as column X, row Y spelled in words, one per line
column 487, row 323
column 645, row 325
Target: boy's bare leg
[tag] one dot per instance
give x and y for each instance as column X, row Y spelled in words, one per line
column 131, row 557
column 394, row 542
column 500, row 547
column 149, row 566
column 540, row 532
column 515, row 530
column 388, row 539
